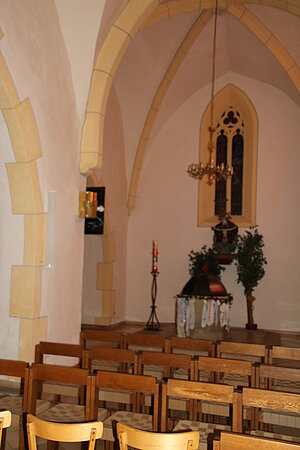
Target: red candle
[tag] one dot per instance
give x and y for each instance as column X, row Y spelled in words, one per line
column 154, row 256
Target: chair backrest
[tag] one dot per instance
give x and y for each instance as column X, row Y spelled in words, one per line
column 60, row 374
column 125, row 360
column 196, row 390
column 204, row 347
column 91, row 338
column 284, row 355
column 269, row 400
column 242, row 350
column 168, row 362
column 149, row 342
column 57, row 349
column 17, row 369
column 5, row 421
column 136, row 385
column 146, row 440
column 270, row 376
column 62, row 432
column 234, row 441
column 218, row 366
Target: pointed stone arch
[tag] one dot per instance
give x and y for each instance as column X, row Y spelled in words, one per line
column 26, row 198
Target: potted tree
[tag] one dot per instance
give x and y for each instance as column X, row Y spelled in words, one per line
column 250, row 262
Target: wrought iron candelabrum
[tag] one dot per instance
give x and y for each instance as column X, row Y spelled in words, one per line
column 153, row 322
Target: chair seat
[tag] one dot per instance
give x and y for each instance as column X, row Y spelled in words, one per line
column 67, row 413
column 14, row 405
column 136, row 420
column 203, row 428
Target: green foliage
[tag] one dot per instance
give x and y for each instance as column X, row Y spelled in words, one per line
column 250, row 260
column 204, row 261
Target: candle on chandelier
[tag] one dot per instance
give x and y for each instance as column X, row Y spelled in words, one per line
column 154, row 256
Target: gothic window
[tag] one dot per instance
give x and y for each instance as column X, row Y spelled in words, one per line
column 235, row 140
column 229, row 147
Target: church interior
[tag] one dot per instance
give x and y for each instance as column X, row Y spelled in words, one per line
column 116, row 95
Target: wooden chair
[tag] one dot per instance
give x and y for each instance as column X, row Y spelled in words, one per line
column 234, row 441
column 59, row 349
column 166, row 365
column 134, row 414
column 234, row 372
column 272, row 403
column 193, row 390
column 5, row 421
column 194, row 347
column 69, row 376
column 61, row 352
column 105, row 338
column 147, row 342
column 145, row 440
column 228, row 371
column 285, row 356
column 240, row 350
column 14, row 393
column 61, row 432
column 112, row 359
column 279, row 378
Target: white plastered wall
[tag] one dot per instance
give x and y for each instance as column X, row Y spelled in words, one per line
column 167, row 211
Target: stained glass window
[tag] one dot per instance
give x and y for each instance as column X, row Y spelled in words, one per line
column 230, row 150
column 237, row 177
column 221, row 157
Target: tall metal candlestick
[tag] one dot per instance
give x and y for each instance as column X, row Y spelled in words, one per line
column 153, row 322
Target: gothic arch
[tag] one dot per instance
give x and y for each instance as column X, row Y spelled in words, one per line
column 26, row 198
column 231, row 95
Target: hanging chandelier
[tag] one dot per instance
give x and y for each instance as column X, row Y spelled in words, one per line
column 220, row 171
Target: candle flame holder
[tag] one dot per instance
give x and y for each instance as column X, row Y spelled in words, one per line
column 153, row 322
